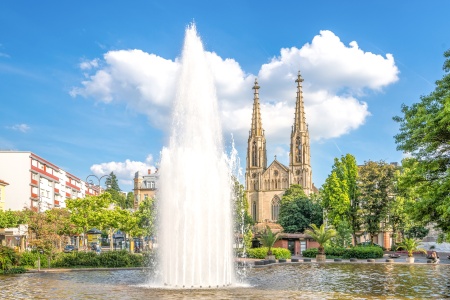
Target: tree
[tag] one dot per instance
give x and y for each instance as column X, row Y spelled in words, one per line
column 146, row 217
column 112, row 183
column 268, row 238
column 86, row 213
column 10, row 218
column 130, row 200
column 340, row 197
column 321, row 235
column 376, row 186
column 297, row 211
column 411, row 245
column 425, row 135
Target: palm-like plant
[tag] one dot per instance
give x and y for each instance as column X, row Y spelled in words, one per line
column 321, row 235
column 268, row 238
column 411, row 245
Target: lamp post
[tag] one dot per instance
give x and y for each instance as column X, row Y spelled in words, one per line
column 90, row 182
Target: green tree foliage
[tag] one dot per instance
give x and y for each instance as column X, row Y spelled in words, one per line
column 297, row 211
column 425, row 135
column 146, row 217
column 86, row 213
column 242, row 219
column 376, row 188
column 340, row 197
column 130, row 200
column 9, row 218
column 112, row 183
column 321, row 235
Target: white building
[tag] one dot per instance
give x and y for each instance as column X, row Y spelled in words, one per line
column 37, row 184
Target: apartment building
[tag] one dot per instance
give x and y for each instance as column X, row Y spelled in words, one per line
column 38, row 184
column 145, row 186
column 3, row 184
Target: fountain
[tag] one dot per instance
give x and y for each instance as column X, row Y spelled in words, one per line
column 195, row 230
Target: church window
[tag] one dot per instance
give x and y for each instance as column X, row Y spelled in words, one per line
column 298, row 154
column 254, row 155
column 254, row 211
column 275, row 208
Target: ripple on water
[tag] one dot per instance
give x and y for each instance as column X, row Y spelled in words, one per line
column 299, row 281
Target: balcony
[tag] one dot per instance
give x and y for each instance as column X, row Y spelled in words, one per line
column 44, row 173
column 34, row 196
column 56, row 191
column 68, row 195
column 56, row 203
column 34, row 182
column 72, row 186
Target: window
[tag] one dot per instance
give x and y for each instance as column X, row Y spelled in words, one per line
column 275, row 208
column 254, row 155
column 254, row 213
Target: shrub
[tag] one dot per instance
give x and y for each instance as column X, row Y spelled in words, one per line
column 282, row 253
column 355, row 252
column 15, row 270
column 311, row 252
column 261, row 253
column 8, row 258
column 29, row 259
column 109, row 259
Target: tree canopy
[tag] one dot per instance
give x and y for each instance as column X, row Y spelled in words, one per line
column 425, row 135
column 340, row 197
column 376, row 187
column 297, row 211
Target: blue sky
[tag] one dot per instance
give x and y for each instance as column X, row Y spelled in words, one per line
column 88, row 85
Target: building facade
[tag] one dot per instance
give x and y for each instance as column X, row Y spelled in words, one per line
column 145, row 186
column 265, row 185
column 37, row 184
column 3, row 185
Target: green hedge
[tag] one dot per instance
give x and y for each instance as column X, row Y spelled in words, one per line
column 355, row 252
column 261, row 253
column 110, row 259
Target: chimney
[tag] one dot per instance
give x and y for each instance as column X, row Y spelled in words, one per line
column 149, row 171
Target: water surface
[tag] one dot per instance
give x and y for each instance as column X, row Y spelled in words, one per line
column 296, row 281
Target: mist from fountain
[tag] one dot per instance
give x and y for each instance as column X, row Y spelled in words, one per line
column 194, row 199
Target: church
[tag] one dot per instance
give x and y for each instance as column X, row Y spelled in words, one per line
column 265, row 185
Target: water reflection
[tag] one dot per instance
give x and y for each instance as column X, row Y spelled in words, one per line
column 299, row 281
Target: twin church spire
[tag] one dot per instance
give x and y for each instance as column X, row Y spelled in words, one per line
column 299, row 170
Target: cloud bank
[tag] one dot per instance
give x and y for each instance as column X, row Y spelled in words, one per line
column 124, row 171
column 336, row 79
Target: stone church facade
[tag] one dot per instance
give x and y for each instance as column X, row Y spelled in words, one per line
column 265, row 185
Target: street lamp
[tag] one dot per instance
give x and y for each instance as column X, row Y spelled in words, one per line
column 90, row 182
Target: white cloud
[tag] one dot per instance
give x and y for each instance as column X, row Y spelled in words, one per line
column 336, row 77
column 124, row 171
column 89, row 64
column 20, row 127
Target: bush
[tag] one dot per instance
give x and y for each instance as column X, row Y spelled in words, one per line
column 29, row 259
column 311, row 252
column 110, row 259
column 355, row 252
column 261, row 253
column 15, row 270
column 8, row 258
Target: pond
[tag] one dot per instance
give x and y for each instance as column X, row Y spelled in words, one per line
column 295, row 281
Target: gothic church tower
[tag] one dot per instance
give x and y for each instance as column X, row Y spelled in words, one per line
column 256, row 149
column 265, row 185
column 299, row 155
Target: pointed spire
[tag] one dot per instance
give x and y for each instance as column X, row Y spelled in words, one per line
column 300, row 119
column 256, row 129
